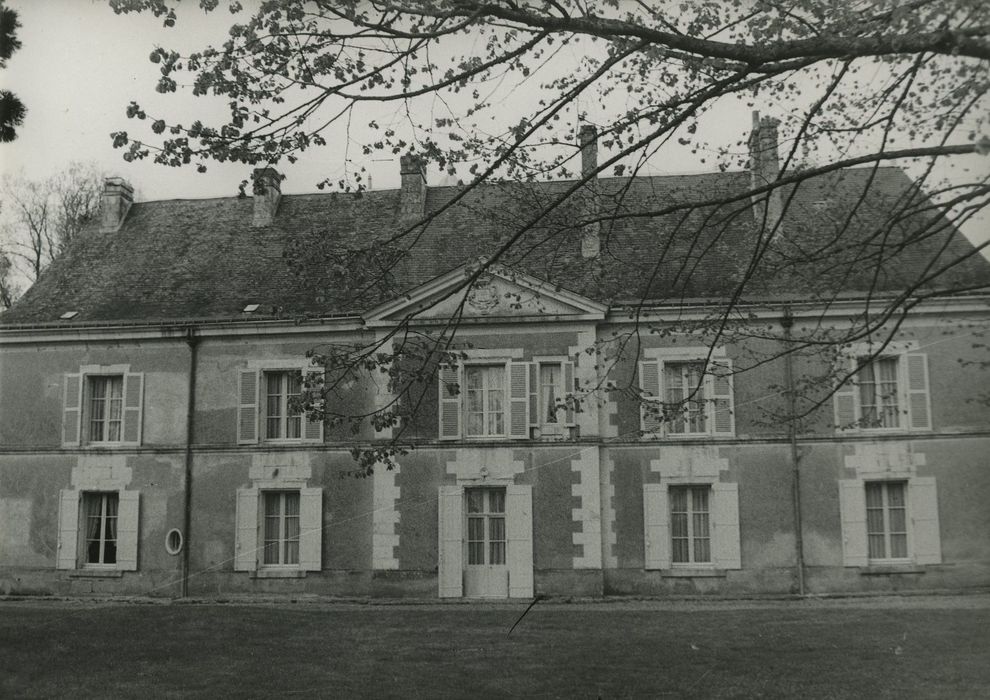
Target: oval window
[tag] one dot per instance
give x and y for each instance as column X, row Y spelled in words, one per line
column 173, row 541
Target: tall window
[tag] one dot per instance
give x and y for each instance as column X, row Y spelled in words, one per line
column 685, row 396
column 100, row 528
column 486, row 526
column 106, row 403
column 878, row 394
column 886, row 520
column 551, row 392
column 485, row 400
column 281, row 421
column 690, row 528
column 281, row 528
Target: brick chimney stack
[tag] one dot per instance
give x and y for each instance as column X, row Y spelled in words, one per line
column 115, row 201
column 764, row 168
column 267, row 193
column 412, row 196
column 590, row 234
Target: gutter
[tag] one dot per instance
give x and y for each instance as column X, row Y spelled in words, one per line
column 787, row 322
column 192, row 340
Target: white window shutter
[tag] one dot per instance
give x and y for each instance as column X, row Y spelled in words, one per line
column 519, row 400
column 71, row 409
column 310, row 529
column 852, row 510
column 246, row 533
column 919, row 401
column 519, row 539
column 247, row 407
column 133, row 403
column 450, row 402
column 567, row 371
column 924, row 520
column 724, row 422
column 68, row 528
column 656, row 527
column 313, row 429
column 844, row 399
column 649, row 383
column 725, row 522
column 450, row 564
column 128, row 521
column 534, row 395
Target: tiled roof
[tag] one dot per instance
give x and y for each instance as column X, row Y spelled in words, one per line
column 184, row 259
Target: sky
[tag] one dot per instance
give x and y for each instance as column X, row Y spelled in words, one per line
column 80, row 65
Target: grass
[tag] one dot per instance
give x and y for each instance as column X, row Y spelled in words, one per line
column 585, row 651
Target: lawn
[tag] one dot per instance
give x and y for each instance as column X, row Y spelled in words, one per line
column 908, row 648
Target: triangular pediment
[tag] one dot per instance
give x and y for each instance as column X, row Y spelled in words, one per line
column 497, row 293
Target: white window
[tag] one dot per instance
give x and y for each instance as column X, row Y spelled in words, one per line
column 279, row 528
column 681, row 396
column 692, row 526
column 98, row 529
column 102, row 405
column 485, row 526
column 889, row 521
column 883, row 393
column 505, row 399
column 270, row 404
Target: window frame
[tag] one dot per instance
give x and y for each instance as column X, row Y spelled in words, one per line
column 887, row 531
column 89, row 384
column 912, row 392
column 284, row 399
column 283, row 540
column 653, row 402
column 467, row 366
column 105, row 496
column 252, row 403
column 690, row 489
column 78, row 389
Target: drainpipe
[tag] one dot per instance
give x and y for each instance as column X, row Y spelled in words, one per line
column 787, row 322
column 192, row 340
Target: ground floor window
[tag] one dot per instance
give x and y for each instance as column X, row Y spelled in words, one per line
column 690, row 530
column 486, row 526
column 281, row 528
column 100, row 527
column 886, row 520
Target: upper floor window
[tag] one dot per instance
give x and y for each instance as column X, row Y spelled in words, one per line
column 102, row 405
column 682, row 396
column 269, row 401
column 506, row 399
column 886, row 392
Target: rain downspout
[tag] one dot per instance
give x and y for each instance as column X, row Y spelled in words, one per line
column 787, row 322
column 192, row 340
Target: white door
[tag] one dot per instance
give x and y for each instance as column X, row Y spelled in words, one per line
column 486, row 574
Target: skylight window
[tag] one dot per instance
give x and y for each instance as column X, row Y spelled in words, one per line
column 68, row 315
column 251, row 308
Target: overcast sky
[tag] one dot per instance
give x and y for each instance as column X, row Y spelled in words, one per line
column 80, row 65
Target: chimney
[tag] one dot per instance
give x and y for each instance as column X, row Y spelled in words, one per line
column 764, row 168
column 588, row 142
column 267, row 193
column 412, row 196
column 114, row 203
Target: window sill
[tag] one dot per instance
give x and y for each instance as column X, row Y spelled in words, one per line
column 278, row 573
column 693, row 573
column 888, row 569
column 96, row 573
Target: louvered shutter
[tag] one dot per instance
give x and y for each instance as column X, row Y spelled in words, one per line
column 246, row 534
column 534, row 395
column 519, row 400
column 927, row 542
column 247, row 407
column 133, row 403
column 722, row 388
column 568, row 374
column 725, row 521
column 68, row 528
column 128, row 524
column 852, row 510
column 919, row 401
column 310, row 529
column 650, row 410
column 313, row 429
column 519, row 539
column 844, row 399
column 450, row 564
column 656, row 527
column 450, row 402
column 71, row 409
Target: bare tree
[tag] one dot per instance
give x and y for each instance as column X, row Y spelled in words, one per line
column 865, row 83
column 41, row 217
